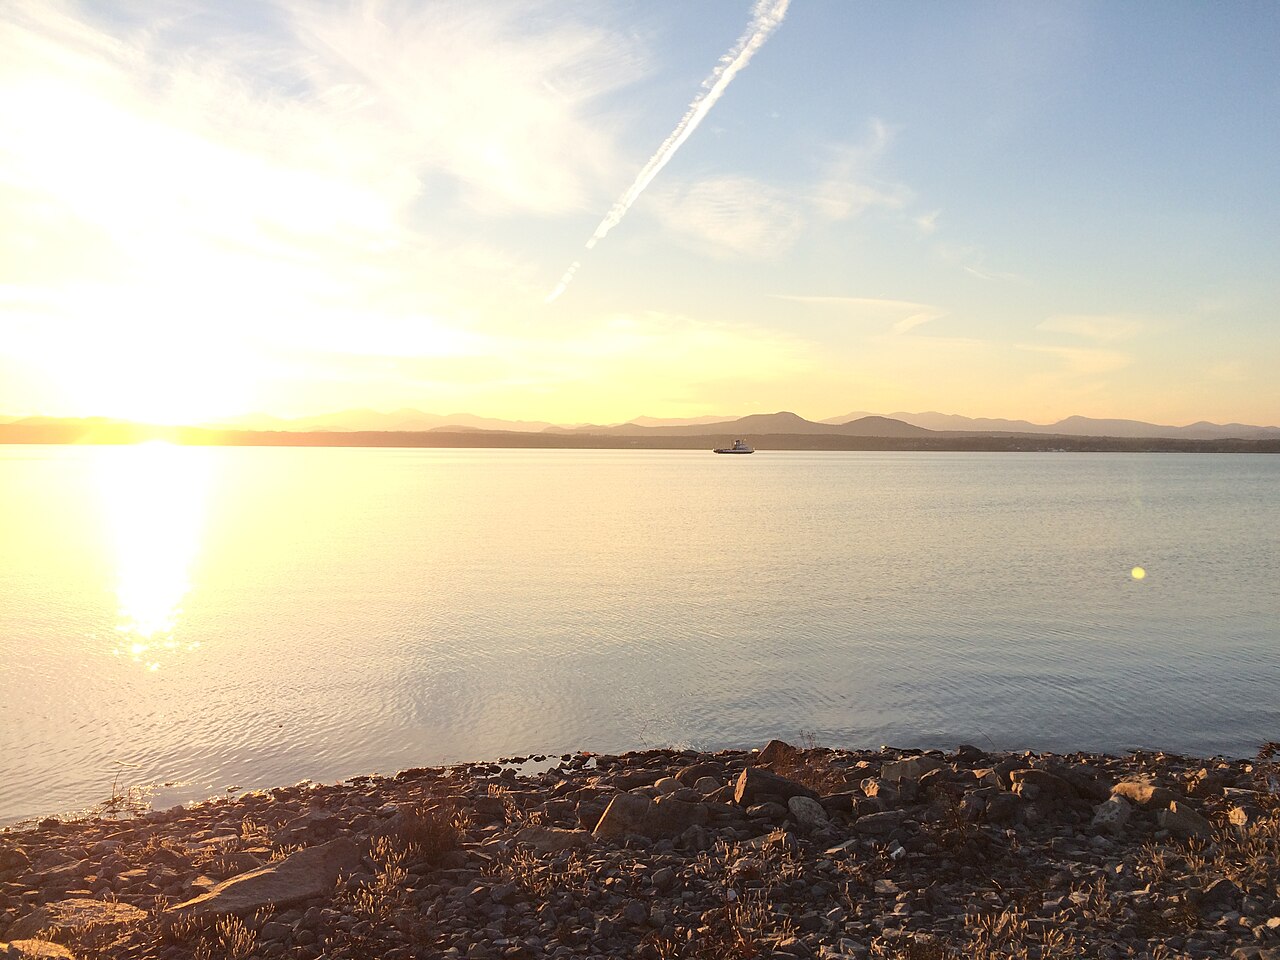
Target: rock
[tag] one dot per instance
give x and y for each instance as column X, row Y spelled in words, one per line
column 691, row 774
column 1222, row 894
column 776, row 750
column 74, row 914
column 807, row 811
column 667, row 785
column 879, row 823
column 1040, row 786
column 755, row 782
column 664, row 878
column 669, row 817
column 300, row 876
column 635, row 913
column 707, row 785
column 1181, row 821
column 35, row 950
column 967, row 753
column 1241, row 815
column 553, row 839
column 913, row 768
column 630, row 813
column 1001, row 807
column 1112, row 815
column 624, row 815
column 766, row 811
column 1143, row 792
column 13, row 858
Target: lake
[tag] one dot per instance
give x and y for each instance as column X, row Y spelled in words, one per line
column 198, row 619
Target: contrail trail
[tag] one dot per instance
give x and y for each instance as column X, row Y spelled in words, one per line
column 766, row 15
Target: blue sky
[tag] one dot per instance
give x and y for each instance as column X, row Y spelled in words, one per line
column 994, row 209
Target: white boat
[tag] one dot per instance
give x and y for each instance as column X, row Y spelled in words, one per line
column 739, row 446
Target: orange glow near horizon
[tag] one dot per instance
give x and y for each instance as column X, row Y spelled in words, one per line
column 154, row 499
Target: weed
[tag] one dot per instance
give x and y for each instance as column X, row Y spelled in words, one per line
column 235, row 941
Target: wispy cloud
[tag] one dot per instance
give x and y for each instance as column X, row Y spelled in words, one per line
column 850, row 186
column 1083, row 361
column 901, row 316
column 766, row 16
column 730, row 216
column 1098, row 326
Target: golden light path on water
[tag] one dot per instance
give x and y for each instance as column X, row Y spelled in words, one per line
column 154, row 500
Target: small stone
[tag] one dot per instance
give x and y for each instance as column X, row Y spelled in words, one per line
column 664, row 878
column 635, row 913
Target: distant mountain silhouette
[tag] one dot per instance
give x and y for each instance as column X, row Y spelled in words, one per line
column 763, row 424
column 1080, row 427
column 675, row 421
column 404, row 419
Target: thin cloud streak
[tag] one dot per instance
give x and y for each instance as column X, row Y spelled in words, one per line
column 766, row 16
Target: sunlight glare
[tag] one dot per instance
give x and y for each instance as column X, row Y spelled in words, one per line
column 154, row 499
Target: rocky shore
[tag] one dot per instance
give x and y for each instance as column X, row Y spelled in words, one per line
column 786, row 851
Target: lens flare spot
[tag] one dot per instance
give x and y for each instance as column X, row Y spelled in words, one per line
column 1138, row 573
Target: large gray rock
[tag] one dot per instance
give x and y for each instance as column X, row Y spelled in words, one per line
column 623, row 816
column 630, row 813
column 808, row 812
column 1143, row 792
column 1112, row 814
column 756, row 782
column 76, row 913
column 912, row 768
column 311, row 872
column 1181, row 821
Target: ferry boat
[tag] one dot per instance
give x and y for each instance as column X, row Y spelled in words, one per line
column 739, row 446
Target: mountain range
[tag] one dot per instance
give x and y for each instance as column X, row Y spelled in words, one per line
column 645, row 429
column 859, row 423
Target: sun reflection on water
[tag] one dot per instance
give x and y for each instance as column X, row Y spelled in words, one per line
column 154, row 499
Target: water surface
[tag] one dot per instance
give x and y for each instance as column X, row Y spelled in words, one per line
column 214, row 617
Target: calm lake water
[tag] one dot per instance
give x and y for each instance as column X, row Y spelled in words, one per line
column 205, row 618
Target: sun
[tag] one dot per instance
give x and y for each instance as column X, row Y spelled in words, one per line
column 167, row 381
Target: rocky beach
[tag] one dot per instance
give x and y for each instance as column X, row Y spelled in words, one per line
column 786, row 851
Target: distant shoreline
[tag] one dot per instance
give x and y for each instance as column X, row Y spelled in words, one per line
column 117, row 434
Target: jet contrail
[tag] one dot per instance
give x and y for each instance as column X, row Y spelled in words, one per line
column 766, row 15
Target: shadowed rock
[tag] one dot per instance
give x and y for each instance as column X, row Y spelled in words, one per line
column 1181, row 821
column 553, row 839
column 629, row 813
column 756, row 782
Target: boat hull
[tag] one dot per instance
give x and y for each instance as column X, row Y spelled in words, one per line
column 733, row 451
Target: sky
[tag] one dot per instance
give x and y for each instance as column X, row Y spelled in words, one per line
column 997, row 209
